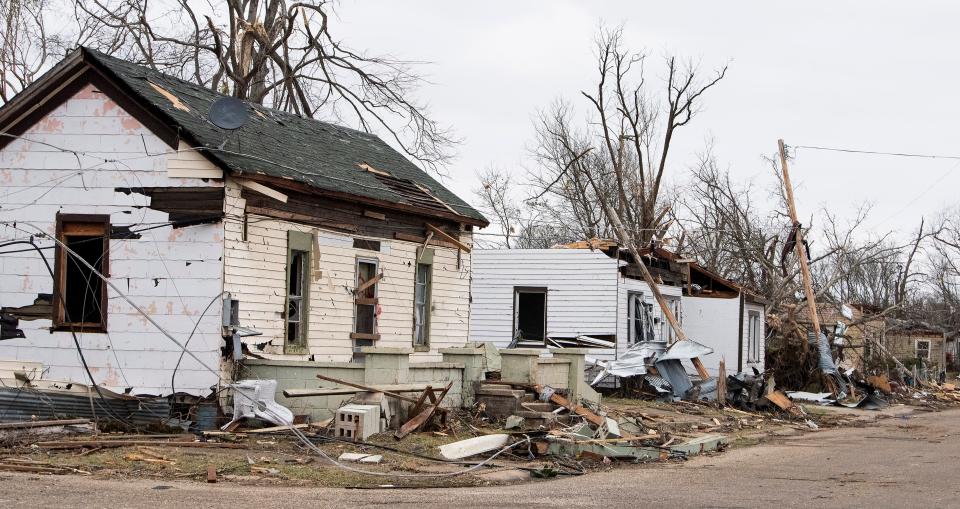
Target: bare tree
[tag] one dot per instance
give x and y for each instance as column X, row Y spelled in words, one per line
column 620, row 156
column 277, row 53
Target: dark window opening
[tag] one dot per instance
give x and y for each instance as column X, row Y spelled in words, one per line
column 80, row 295
column 530, row 315
column 298, row 291
column 639, row 318
column 365, row 317
column 421, row 306
column 296, row 284
column 370, row 245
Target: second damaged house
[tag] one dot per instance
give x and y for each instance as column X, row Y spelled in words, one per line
column 213, row 219
column 590, row 295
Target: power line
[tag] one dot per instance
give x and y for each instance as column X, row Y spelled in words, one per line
column 876, row 152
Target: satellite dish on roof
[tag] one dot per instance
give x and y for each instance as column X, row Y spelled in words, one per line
column 229, row 113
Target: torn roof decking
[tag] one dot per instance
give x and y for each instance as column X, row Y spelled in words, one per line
column 279, row 147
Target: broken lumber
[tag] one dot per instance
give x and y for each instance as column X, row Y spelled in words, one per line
column 273, row 429
column 80, row 444
column 368, row 388
column 42, row 424
column 421, row 418
column 339, row 391
column 449, row 238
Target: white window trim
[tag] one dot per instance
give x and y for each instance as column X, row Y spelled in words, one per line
column 916, row 347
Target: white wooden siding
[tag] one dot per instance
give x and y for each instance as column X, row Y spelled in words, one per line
column 581, row 295
column 255, row 271
column 171, row 273
column 715, row 322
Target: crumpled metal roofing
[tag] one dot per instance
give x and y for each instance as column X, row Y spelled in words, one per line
column 684, row 350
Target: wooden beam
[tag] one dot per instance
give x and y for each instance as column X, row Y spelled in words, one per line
column 374, row 280
column 447, row 237
column 363, row 335
column 420, row 239
column 375, row 215
column 339, row 391
column 368, row 388
column 264, row 190
column 366, row 301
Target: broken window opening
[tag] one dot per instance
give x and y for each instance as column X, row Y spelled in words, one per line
column 80, row 295
column 298, row 290
column 421, row 305
column 530, row 315
column 923, row 349
column 753, row 336
column 667, row 334
column 639, row 319
column 365, row 304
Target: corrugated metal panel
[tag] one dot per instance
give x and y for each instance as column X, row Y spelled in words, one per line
column 23, row 404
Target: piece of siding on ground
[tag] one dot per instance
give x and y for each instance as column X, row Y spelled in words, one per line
column 171, row 273
column 255, row 272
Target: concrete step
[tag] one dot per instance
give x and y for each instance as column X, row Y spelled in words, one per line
column 539, row 406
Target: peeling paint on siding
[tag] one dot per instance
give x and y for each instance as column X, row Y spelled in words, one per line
column 172, row 273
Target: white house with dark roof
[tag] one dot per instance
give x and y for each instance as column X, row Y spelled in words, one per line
column 320, row 238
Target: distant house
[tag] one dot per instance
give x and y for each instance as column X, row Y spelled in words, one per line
column 918, row 346
column 319, row 238
column 590, row 295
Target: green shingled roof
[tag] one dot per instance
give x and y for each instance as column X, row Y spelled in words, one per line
column 281, row 144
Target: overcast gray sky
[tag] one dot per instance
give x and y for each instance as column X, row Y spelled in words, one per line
column 866, row 75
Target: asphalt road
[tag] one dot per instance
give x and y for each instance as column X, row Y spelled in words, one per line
column 901, row 462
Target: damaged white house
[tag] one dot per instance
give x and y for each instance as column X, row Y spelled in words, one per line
column 588, row 295
column 211, row 216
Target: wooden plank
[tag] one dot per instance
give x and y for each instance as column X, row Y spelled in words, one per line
column 80, row 444
column 375, row 215
column 214, row 173
column 420, row 239
column 366, row 301
column 363, row 335
column 722, row 382
column 447, row 237
column 273, row 429
column 339, row 391
column 424, row 416
column 42, row 424
column 264, row 190
column 374, row 280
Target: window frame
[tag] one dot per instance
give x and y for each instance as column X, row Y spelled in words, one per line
column 644, row 318
column 753, row 336
column 517, row 290
column 916, row 348
column 298, row 242
column 364, row 336
column 60, row 322
column 424, row 259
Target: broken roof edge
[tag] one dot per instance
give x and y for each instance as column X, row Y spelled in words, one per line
column 84, row 65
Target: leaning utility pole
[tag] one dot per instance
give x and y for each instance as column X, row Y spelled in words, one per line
column 801, row 247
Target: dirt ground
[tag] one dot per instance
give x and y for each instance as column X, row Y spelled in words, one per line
column 904, row 460
column 281, row 460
